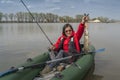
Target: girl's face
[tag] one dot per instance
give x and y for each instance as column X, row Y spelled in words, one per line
column 68, row 31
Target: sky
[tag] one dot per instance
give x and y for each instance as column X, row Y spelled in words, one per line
column 96, row 8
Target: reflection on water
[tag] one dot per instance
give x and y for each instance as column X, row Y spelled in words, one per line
column 97, row 77
column 91, row 76
column 20, row 41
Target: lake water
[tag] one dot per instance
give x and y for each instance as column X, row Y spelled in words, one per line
column 20, row 41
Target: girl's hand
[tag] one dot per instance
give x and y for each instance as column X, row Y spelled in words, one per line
column 52, row 47
column 85, row 18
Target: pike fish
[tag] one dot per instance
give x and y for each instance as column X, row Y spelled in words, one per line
column 86, row 38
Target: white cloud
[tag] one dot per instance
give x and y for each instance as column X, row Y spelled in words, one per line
column 86, row 1
column 29, row 6
column 96, row 1
column 53, row 9
column 6, row 1
column 54, row 1
column 72, row 7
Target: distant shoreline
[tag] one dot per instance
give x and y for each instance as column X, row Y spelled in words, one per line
column 56, row 22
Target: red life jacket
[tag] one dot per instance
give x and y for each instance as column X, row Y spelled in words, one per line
column 64, row 43
column 76, row 36
column 75, row 41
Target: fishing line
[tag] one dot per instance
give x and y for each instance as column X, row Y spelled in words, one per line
column 36, row 22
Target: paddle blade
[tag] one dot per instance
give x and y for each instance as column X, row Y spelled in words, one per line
column 100, row 50
column 8, row 72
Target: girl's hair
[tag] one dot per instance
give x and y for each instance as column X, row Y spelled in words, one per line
column 65, row 26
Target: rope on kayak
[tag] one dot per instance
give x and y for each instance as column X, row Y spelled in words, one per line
column 36, row 22
column 76, row 65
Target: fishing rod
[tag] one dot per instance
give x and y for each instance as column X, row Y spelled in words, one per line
column 36, row 22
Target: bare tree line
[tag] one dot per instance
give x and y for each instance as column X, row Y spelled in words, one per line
column 39, row 17
column 25, row 17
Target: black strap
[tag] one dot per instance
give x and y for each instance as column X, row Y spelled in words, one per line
column 61, row 44
column 58, row 75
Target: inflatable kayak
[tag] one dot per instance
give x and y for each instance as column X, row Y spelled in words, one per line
column 32, row 68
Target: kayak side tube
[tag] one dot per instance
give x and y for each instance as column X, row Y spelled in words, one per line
column 27, row 74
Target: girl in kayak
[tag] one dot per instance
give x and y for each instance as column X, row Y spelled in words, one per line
column 66, row 45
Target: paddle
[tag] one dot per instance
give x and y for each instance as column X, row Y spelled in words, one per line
column 43, row 63
column 98, row 51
